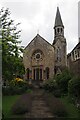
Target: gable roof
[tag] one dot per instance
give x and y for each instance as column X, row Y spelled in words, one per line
column 36, row 38
column 76, row 47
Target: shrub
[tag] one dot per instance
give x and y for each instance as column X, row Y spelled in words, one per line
column 59, row 84
column 23, row 104
column 16, row 86
column 6, row 90
column 62, row 80
column 50, row 85
column 74, row 87
column 56, row 106
column 57, row 93
column 18, row 82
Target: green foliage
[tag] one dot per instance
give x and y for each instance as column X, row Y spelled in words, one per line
column 72, row 110
column 59, row 84
column 56, row 106
column 11, row 59
column 18, row 82
column 74, row 87
column 62, row 80
column 13, row 90
column 15, row 87
column 7, row 103
column 50, row 85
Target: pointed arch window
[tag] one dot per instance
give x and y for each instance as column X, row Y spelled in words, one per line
column 58, row 30
column 58, row 54
column 61, row 30
column 55, row 32
column 28, row 73
column 47, row 72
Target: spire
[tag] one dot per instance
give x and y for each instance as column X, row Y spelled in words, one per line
column 58, row 20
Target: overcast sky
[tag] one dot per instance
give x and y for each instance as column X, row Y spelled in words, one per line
column 79, row 19
column 38, row 16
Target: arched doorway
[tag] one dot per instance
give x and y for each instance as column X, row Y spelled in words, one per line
column 28, row 72
column 47, row 72
column 37, row 73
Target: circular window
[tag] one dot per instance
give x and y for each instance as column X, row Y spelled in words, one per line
column 37, row 56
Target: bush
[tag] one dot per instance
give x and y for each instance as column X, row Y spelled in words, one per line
column 18, row 82
column 23, row 104
column 59, row 84
column 50, row 85
column 57, row 93
column 62, row 80
column 12, row 90
column 6, row 90
column 56, row 106
column 74, row 87
column 15, row 87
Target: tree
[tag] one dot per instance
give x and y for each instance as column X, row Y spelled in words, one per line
column 11, row 59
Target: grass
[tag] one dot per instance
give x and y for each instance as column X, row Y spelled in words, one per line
column 73, row 112
column 7, row 103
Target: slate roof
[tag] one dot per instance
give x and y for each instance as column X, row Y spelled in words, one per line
column 58, row 20
column 38, row 37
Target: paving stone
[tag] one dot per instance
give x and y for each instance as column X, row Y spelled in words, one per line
column 39, row 107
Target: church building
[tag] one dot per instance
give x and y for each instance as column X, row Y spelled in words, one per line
column 43, row 60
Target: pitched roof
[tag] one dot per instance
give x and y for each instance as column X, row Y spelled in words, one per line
column 58, row 20
column 36, row 38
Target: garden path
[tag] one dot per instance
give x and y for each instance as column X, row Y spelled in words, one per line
column 40, row 108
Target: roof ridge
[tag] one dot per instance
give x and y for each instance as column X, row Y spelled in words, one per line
column 40, row 37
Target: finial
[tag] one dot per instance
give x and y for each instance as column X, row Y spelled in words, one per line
column 57, row 7
column 38, row 31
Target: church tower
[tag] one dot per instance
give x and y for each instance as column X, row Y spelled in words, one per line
column 59, row 44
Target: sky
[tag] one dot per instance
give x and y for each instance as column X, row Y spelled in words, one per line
column 79, row 19
column 38, row 17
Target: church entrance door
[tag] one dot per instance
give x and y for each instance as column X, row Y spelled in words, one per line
column 37, row 74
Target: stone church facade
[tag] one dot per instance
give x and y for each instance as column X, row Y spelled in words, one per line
column 43, row 60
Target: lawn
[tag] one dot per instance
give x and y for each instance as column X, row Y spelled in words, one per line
column 73, row 112
column 7, row 103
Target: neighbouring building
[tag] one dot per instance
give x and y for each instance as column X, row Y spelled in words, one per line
column 73, row 60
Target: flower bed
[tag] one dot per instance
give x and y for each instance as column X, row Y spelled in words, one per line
column 55, row 105
column 16, row 86
column 23, row 104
